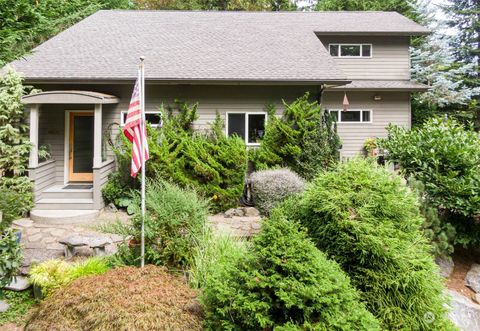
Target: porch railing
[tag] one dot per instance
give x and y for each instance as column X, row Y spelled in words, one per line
column 100, row 177
column 42, row 176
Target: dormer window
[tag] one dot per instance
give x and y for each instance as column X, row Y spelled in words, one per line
column 350, row 50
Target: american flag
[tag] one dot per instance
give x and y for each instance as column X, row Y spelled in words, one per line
column 132, row 130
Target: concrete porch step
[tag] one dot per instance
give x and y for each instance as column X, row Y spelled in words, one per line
column 64, row 204
column 63, row 216
column 58, row 192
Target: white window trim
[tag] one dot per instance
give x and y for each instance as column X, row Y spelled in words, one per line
column 123, row 112
column 246, row 123
column 361, row 116
column 350, row 56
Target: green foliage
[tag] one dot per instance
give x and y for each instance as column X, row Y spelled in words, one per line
column 365, row 219
column 24, row 24
column 214, row 251
column 209, row 162
column 437, row 229
column 20, row 303
column 304, row 139
column 10, row 256
column 270, row 187
column 445, row 157
column 251, row 5
column 17, row 198
column 174, row 224
column 285, row 283
column 54, row 274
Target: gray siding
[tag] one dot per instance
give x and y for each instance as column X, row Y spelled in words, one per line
column 390, row 57
column 394, row 108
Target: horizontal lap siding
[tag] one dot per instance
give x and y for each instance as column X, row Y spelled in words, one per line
column 390, row 58
column 394, row 108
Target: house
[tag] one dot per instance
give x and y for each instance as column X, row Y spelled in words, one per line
column 234, row 63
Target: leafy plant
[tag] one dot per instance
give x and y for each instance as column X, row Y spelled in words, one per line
column 304, row 139
column 10, row 256
column 54, row 274
column 174, row 223
column 17, row 198
column 20, row 303
column 270, row 187
column 121, row 299
column 285, row 283
column 361, row 216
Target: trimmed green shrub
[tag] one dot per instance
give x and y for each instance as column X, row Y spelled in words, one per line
column 207, row 161
column 121, row 299
column 10, row 256
column 270, row 187
column 54, row 274
column 437, row 229
column 445, row 158
column 285, row 283
column 304, row 139
column 365, row 219
column 175, row 222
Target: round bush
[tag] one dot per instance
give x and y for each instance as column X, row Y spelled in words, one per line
column 270, row 187
column 284, row 283
column 122, row 299
column 363, row 217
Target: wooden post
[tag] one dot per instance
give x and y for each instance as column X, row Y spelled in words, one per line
column 97, row 137
column 33, row 159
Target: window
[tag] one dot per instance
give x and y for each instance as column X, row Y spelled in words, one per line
column 248, row 126
column 152, row 117
column 350, row 50
column 352, row 116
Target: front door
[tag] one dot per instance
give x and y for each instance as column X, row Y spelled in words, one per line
column 80, row 159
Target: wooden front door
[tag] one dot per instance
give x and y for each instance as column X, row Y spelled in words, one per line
column 80, row 155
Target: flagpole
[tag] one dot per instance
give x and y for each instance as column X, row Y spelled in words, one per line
column 142, row 127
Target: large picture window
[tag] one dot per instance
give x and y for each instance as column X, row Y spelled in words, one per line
column 154, row 118
column 352, row 116
column 350, row 50
column 248, row 126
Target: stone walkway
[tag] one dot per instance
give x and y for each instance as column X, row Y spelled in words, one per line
column 40, row 241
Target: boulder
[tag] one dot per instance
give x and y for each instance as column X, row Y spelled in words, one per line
column 446, row 266
column 464, row 313
column 111, row 208
column 229, row 213
column 3, row 306
column 19, row 283
column 251, row 212
column 472, row 279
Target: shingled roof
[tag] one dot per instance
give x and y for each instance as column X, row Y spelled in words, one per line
column 205, row 46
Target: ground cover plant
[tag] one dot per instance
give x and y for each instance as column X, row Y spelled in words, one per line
column 445, row 157
column 270, row 187
column 304, row 139
column 20, row 303
column 54, row 274
column 283, row 283
column 361, row 216
column 208, row 161
column 10, row 256
column 125, row 298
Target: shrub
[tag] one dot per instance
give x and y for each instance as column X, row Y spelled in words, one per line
column 366, row 220
column 285, row 283
column 209, row 162
column 270, row 187
column 304, row 139
column 121, row 299
column 175, row 221
column 17, row 199
column 437, row 229
column 10, row 256
column 445, row 158
column 54, row 274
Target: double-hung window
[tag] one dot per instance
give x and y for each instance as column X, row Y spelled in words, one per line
column 154, row 118
column 352, row 115
column 351, row 50
column 248, row 126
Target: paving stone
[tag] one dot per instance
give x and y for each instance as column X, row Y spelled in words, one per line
column 24, row 223
column 4, row 306
column 55, row 246
column 34, row 238
column 464, row 313
column 58, row 232
column 35, row 245
column 472, row 279
column 31, row 231
column 19, row 283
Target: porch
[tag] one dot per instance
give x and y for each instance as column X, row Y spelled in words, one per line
column 70, row 125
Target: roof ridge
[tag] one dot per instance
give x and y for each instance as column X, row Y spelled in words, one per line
column 246, row 11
